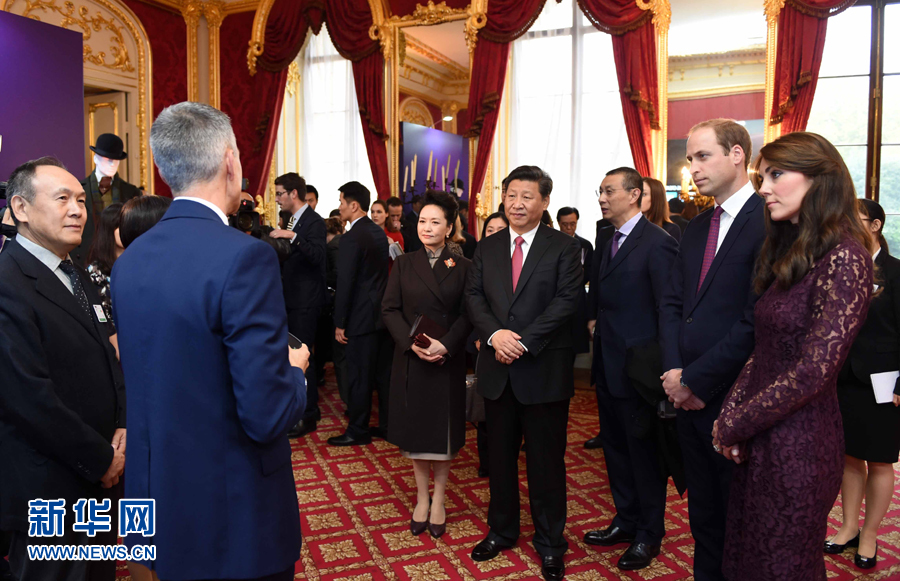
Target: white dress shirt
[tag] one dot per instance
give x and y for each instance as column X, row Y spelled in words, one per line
column 730, row 210
column 528, row 238
column 208, row 204
column 627, row 227
column 46, row 257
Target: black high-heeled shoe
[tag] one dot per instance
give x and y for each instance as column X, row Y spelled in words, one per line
column 416, row 527
column 836, row 549
column 866, row 562
column 435, row 529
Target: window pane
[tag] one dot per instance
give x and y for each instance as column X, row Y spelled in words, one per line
column 554, row 16
column 889, row 183
column 891, row 110
column 840, row 110
column 891, row 38
column 892, row 232
column 855, row 158
column 848, row 43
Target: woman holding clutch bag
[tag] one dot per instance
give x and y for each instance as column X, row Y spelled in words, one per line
column 871, row 429
column 428, row 378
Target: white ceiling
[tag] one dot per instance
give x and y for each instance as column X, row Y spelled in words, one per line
column 710, row 26
column 448, row 39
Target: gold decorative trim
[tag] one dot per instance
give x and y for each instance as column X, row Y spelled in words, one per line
column 240, row 6
column 413, row 110
column 662, row 18
column 215, row 13
column 87, row 24
column 258, row 39
column 717, row 92
column 773, row 10
column 293, row 79
column 92, row 108
column 192, row 10
column 475, row 16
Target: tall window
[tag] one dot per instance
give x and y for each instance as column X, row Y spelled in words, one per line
column 857, row 101
column 333, row 150
column 566, row 111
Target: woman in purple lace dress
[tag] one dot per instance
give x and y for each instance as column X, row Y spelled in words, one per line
column 781, row 422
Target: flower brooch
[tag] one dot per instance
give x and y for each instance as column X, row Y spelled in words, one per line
column 450, row 263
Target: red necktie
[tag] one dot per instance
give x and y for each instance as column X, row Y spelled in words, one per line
column 105, row 184
column 517, row 261
column 712, row 240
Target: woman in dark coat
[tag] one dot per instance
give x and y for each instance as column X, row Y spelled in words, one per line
column 781, row 422
column 428, row 383
column 871, row 429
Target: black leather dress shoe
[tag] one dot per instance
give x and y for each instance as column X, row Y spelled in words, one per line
column 378, row 433
column 302, row 428
column 487, row 550
column 637, row 556
column 345, row 440
column 552, row 568
column 836, row 549
column 866, row 562
column 612, row 535
column 593, row 443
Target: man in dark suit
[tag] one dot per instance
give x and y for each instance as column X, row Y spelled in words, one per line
column 410, row 227
column 312, row 196
column 676, row 206
column 523, row 291
column 706, row 322
column 362, row 277
column 303, row 279
column 567, row 219
column 633, row 271
column 212, row 383
column 102, row 188
column 605, row 232
column 62, row 424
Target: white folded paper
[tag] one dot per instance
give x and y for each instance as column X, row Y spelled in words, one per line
column 883, row 384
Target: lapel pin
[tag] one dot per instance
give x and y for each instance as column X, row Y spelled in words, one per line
column 450, row 263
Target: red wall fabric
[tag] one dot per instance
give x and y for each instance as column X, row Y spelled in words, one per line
column 167, row 33
column 684, row 114
column 801, row 41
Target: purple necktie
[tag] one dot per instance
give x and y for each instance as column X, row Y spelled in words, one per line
column 615, row 244
column 712, row 240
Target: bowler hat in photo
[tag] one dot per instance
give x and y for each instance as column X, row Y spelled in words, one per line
column 109, row 146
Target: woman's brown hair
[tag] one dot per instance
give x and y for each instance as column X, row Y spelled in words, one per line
column 828, row 212
column 388, row 223
column 659, row 206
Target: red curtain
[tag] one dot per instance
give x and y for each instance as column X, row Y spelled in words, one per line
column 801, row 41
column 167, row 33
column 507, row 20
column 348, row 24
column 634, row 50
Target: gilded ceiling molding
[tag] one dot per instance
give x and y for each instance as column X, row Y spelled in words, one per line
column 382, row 28
column 258, row 39
column 457, row 72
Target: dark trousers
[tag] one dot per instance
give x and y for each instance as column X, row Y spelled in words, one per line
column 544, row 428
column 286, row 575
column 24, row 569
column 482, row 441
column 302, row 324
column 324, row 343
column 339, row 353
column 635, row 479
column 709, row 481
column 362, row 378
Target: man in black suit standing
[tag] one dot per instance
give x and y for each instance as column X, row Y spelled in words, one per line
column 410, row 229
column 362, row 277
column 523, row 291
column 706, row 322
column 62, row 422
column 303, row 279
column 676, row 206
column 102, row 188
column 633, row 272
column 567, row 219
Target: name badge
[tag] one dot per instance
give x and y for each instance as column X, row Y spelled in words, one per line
column 99, row 312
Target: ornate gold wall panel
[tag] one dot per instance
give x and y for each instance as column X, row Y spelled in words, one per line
column 773, row 10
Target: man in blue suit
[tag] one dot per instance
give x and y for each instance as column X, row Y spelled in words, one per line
column 212, row 387
column 632, row 275
column 706, row 322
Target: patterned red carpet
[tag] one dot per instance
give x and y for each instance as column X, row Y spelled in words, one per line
column 355, row 508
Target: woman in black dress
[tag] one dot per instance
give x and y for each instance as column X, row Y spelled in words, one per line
column 871, row 430
column 428, row 383
column 655, row 207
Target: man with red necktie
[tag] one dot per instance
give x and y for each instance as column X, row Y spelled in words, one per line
column 522, row 293
column 706, row 322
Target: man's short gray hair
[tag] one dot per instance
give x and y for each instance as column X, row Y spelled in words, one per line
column 189, row 141
column 21, row 181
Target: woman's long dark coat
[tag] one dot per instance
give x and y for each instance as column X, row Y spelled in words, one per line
column 427, row 399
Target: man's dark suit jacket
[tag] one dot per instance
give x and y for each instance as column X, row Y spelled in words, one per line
column 125, row 192
column 303, row 273
column 877, row 347
column 605, row 232
column 540, row 310
column 362, row 277
column 63, row 395
column 679, row 221
column 630, row 288
column 709, row 334
column 468, row 247
column 588, row 251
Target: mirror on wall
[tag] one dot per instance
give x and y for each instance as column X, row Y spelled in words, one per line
column 432, row 89
column 717, row 68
